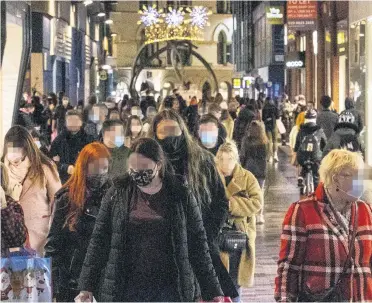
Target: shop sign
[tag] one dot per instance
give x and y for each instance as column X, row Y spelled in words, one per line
column 295, row 60
column 237, row 82
column 302, row 15
column 275, row 15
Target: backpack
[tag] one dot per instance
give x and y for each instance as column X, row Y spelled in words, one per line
column 350, row 142
column 309, row 149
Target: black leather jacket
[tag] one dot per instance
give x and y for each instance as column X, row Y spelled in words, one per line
column 68, row 248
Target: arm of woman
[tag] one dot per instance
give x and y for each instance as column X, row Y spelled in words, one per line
column 53, row 184
column 56, row 245
column 249, row 204
column 291, row 256
column 99, row 246
column 219, row 206
column 199, row 256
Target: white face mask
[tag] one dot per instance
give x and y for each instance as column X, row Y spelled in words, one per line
column 65, row 102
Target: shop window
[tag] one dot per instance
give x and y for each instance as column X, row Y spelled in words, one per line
column 221, row 48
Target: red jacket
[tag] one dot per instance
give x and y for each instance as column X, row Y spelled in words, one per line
column 314, row 249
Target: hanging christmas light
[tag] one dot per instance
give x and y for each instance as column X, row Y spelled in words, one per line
column 199, row 16
column 174, row 17
column 150, row 16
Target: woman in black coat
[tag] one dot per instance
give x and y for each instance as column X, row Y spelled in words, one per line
column 196, row 168
column 149, row 238
column 76, row 207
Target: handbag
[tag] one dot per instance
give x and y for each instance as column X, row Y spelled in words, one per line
column 332, row 294
column 13, row 227
column 232, row 240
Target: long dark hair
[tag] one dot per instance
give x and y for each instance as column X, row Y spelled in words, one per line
column 128, row 131
column 197, row 157
column 152, row 150
column 255, row 134
column 19, row 136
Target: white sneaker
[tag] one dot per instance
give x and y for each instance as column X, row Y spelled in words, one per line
column 271, row 160
column 260, row 219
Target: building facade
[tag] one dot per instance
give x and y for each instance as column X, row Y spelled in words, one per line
column 216, row 48
column 360, row 63
column 67, row 49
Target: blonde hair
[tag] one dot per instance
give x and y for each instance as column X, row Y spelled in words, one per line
column 336, row 161
column 230, row 148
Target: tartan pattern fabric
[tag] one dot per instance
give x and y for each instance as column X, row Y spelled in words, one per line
column 314, row 249
column 13, row 228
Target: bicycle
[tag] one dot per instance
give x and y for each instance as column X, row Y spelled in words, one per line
column 308, row 187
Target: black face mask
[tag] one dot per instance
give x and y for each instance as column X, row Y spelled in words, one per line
column 95, row 182
column 142, row 177
column 172, row 144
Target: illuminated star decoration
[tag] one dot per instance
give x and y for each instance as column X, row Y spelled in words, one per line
column 199, row 16
column 150, row 16
column 174, row 17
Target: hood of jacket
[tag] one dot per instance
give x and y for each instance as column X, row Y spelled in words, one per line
column 309, row 128
column 345, row 125
column 345, row 131
column 246, row 114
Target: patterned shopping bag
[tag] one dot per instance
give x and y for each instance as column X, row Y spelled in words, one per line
column 26, row 279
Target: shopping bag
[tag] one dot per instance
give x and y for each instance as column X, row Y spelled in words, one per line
column 26, row 279
column 281, row 127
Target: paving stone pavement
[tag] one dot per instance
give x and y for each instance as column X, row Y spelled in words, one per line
column 281, row 190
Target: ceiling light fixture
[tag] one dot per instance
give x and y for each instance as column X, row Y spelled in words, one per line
column 88, row 2
column 109, row 21
column 102, row 14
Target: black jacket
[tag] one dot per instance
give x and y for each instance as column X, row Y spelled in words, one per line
column 26, row 120
column 60, row 116
column 307, row 129
column 214, row 212
column 241, row 123
column 67, row 248
column 189, row 243
column 358, row 118
column 270, row 114
column 341, row 130
column 68, row 147
column 192, row 117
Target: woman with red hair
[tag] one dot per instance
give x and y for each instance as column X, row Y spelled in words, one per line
column 76, row 207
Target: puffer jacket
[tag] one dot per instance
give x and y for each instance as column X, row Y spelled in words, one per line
column 341, row 130
column 189, row 243
column 68, row 248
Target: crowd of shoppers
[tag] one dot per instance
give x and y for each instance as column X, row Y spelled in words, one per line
column 135, row 201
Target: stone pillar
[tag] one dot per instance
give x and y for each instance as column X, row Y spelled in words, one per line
column 309, row 67
column 321, row 65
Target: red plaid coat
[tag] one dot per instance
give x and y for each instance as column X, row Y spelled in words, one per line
column 314, row 249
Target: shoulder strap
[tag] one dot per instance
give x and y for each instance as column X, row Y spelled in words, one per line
column 351, row 245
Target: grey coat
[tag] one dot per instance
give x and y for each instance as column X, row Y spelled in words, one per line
column 327, row 120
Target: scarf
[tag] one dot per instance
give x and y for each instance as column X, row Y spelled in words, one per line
column 17, row 175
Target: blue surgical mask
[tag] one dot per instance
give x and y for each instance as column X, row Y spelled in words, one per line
column 208, row 138
column 119, row 141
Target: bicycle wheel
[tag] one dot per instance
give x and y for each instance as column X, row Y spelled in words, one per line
column 309, row 183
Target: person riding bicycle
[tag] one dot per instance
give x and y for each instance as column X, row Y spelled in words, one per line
column 310, row 143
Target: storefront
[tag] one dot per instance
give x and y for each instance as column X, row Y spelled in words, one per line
column 360, row 54
column 15, row 47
